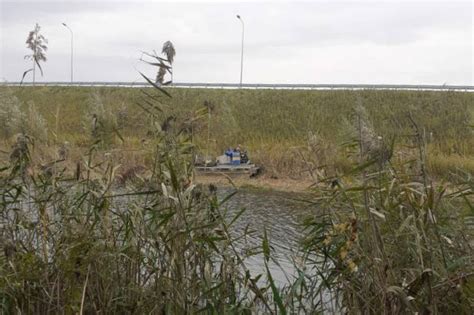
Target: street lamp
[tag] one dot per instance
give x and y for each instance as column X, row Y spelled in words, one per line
column 72, row 50
column 242, row 52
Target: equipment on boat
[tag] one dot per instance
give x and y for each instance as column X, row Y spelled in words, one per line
column 232, row 161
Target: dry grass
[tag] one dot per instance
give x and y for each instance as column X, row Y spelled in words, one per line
column 120, row 227
column 272, row 124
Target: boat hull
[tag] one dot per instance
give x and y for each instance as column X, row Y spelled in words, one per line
column 228, row 169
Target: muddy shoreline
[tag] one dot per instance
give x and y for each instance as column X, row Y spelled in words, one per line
column 259, row 183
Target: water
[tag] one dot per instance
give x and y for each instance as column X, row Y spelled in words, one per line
column 281, row 214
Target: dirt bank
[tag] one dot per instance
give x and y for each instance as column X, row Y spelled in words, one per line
column 262, row 182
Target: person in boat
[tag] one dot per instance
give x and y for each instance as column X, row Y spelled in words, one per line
column 235, row 156
column 229, row 153
column 244, row 159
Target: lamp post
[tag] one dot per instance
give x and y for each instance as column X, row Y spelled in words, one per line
column 72, row 51
column 242, row 52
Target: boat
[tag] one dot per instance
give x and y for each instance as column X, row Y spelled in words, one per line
column 251, row 169
column 227, row 165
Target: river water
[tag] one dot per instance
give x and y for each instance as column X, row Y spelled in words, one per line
column 281, row 215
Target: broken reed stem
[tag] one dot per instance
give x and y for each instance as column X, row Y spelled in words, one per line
column 84, row 290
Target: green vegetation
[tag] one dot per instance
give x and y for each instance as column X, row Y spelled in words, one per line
column 112, row 232
column 79, row 246
column 291, row 133
column 389, row 239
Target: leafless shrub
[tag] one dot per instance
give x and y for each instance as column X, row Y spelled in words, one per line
column 100, row 120
column 372, row 146
column 122, row 116
column 34, row 124
column 130, row 173
column 63, row 151
column 20, row 158
column 10, row 113
column 13, row 120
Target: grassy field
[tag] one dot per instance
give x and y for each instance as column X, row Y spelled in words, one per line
column 291, row 133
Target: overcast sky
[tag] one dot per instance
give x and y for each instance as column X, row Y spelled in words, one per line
column 399, row 42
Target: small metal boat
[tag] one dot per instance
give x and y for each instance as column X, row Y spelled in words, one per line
column 251, row 169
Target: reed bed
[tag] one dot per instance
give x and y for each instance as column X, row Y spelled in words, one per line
column 391, row 240
column 386, row 240
column 274, row 125
column 390, row 237
column 76, row 245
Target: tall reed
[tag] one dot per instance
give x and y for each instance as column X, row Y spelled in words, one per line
column 391, row 240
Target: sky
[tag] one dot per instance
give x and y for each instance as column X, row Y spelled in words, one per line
column 379, row 42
